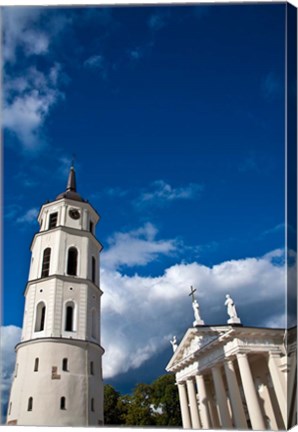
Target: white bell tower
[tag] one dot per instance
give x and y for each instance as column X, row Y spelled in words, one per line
column 58, row 373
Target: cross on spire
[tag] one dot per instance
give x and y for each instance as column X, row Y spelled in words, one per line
column 192, row 291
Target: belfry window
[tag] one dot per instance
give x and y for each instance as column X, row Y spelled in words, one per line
column 53, row 220
column 91, row 227
column 69, row 317
column 46, row 262
column 65, row 364
column 92, row 404
column 72, row 261
column 30, row 404
column 93, row 269
column 62, row 403
column 36, row 363
column 40, row 317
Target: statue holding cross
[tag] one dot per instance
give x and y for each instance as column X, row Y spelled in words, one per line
column 196, row 308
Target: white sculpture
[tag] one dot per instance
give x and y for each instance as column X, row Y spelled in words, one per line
column 174, row 343
column 196, row 309
column 231, row 310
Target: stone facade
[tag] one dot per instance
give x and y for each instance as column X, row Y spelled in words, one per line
column 236, row 377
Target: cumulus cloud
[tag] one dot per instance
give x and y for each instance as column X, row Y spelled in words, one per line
column 140, row 314
column 161, row 192
column 28, row 100
column 20, row 31
column 29, row 93
column 10, row 336
column 29, row 217
column 136, row 248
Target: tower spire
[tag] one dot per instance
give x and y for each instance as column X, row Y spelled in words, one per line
column 71, row 182
column 71, row 187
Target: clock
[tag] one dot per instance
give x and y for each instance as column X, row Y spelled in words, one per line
column 74, row 214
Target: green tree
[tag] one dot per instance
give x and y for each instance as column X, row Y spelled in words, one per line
column 139, row 407
column 165, row 401
column 112, row 406
column 155, row 404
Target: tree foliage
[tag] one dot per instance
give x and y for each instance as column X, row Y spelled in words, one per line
column 155, row 404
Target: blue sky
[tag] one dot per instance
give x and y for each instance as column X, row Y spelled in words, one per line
column 175, row 115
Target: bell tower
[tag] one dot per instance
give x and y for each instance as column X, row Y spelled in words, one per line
column 58, row 373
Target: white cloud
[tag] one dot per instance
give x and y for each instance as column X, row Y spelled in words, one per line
column 28, row 100
column 97, row 62
column 10, row 336
column 161, row 192
column 29, row 217
column 136, row 248
column 140, row 314
column 20, row 32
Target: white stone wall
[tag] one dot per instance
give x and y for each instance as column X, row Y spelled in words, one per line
column 80, row 345
column 55, row 293
column 46, row 386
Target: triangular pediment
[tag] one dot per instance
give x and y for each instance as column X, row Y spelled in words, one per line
column 194, row 340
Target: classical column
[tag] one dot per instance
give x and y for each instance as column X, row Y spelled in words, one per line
column 194, row 413
column 278, row 385
column 235, row 397
column 184, row 406
column 203, row 402
column 267, row 405
column 250, row 393
column 212, row 405
column 221, row 398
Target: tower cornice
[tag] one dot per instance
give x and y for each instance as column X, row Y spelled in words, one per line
column 69, row 230
column 65, row 278
column 69, row 341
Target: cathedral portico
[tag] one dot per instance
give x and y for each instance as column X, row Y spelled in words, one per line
column 238, row 375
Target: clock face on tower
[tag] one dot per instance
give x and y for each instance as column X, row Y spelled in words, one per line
column 74, row 214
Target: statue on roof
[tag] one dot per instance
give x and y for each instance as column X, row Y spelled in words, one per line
column 196, row 308
column 174, row 343
column 231, row 310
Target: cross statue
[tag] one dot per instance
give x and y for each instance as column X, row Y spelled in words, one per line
column 192, row 291
column 73, row 159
